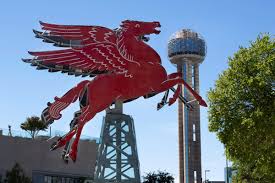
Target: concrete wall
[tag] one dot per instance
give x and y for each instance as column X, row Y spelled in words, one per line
column 34, row 156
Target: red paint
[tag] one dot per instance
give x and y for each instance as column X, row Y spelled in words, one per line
column 132, row 68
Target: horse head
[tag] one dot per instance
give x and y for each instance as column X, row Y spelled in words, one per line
column 140, row 29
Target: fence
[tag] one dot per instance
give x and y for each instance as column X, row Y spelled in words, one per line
column 48, row 133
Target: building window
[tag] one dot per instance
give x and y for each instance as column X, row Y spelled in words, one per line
column 194, row 132
column 60, row 179
column 47, row 179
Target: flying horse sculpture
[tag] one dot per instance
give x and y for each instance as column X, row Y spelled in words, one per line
column 123, row 65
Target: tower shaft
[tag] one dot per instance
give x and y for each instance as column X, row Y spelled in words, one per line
column 180, row 136
column 190, row 122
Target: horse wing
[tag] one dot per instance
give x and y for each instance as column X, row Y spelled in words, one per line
column 87, row 61
column 75, row 35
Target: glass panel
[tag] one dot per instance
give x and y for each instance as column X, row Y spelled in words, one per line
column 186, row 46
column 49, row 179
column 63, row 180
column 45, row 179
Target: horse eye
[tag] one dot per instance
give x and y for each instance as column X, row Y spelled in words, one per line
column 137, row 25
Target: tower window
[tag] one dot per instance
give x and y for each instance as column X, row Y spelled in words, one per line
column 194, row 132
column 195, row 176
column 193, row 76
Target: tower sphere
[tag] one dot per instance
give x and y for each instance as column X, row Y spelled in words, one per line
column 186, row 46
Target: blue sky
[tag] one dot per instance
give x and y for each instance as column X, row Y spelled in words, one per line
column 225, row 25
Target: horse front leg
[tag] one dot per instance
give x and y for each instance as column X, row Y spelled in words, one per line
column 176, row 95
column 171, row 100
column 177, row 92
column 174, row 75
column 175, row 79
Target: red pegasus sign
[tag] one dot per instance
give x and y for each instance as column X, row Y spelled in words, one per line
column 123, row 65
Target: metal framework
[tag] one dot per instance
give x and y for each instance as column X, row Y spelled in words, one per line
column 117, row 159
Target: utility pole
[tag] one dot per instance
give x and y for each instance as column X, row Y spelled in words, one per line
column 205, row 175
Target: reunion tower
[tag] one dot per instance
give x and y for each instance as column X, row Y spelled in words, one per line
column 187, row 50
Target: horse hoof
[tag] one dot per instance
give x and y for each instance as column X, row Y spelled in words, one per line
column 65, row 158
column 53, row 146
column 160, row 105
column 72, row 156
column 172, row 101
column 46, row 118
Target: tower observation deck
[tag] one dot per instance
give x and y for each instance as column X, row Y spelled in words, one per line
column 187, row 49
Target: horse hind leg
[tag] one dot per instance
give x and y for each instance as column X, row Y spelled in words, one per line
column 91, row 102
column 63, row 140
column 83, row 101
column 66, row 139
column 69, row 142
column 87, row 114
column 52, row 112
column 70, row 150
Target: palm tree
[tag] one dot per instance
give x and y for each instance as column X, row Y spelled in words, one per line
column 33, row 125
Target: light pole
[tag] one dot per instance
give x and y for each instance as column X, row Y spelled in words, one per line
column 205, row 175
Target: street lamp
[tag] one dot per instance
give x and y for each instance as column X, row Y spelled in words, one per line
column 205, row 175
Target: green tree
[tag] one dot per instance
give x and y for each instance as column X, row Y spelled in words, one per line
column 33, row 125
column 16, row 175
column 242, row 111
column 160, row 177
